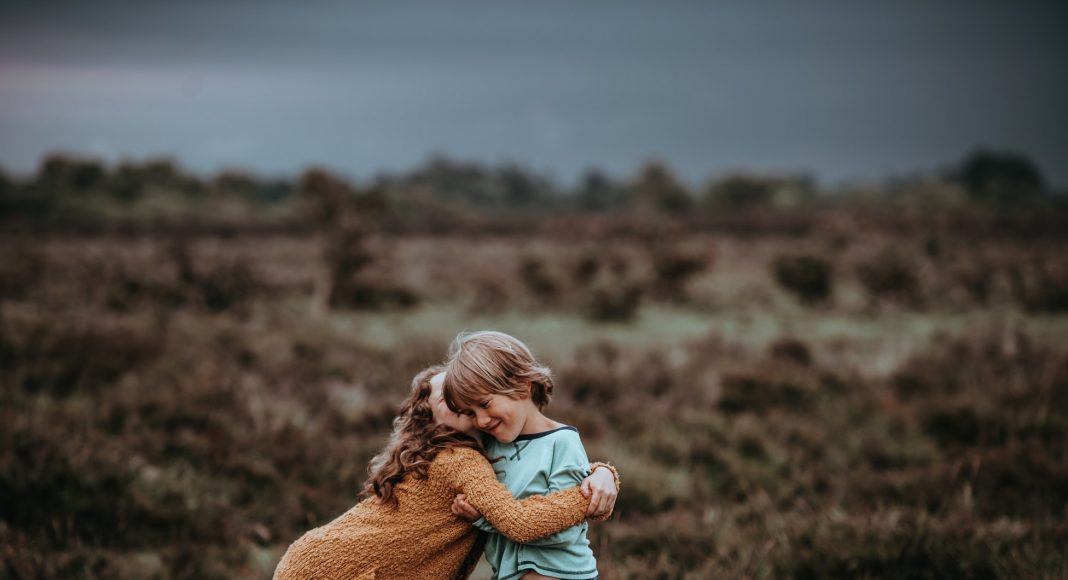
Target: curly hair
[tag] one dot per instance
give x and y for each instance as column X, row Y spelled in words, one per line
column 415, row 442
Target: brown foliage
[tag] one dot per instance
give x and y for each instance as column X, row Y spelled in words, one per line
column 165, row 410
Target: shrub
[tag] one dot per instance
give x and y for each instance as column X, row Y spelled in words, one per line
column 585, row 268
column 791, row 349
column 1041, row 286
column 973, row 278
column 741, row 191
column 809, row 277
column 595, row 381
column 889, row 275
column 611, row 303
column 598, row 193
column 1000, row 177
column 838, row 552
column 961, row 426
column 673, row 267
column 538, row 280
column 761, row 390
column 614, row 295
column 657, row 189
column 21, row 270
column 217, row 286
column 227, row 285
column 60, row 358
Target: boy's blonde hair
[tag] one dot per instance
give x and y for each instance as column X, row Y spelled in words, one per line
column 493, row 363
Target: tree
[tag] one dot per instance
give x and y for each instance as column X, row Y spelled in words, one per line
column 60, row 173
column 7, row 185
column 597, row 192
column 1000, row 177
column 455, row 182
column 657, row 188
column 236, row 182
column 520, row 189
column 740, row 191
column 325, row 197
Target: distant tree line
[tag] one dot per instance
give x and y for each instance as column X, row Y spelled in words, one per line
column 68, row 188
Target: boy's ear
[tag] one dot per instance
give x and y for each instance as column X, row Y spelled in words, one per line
column 525, row 392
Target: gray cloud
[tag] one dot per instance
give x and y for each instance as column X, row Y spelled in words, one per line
column 842, row 89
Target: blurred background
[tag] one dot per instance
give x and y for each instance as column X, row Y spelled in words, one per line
column 800, row 272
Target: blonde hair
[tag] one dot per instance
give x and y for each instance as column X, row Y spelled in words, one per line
column 493, row 363
column 415, row 442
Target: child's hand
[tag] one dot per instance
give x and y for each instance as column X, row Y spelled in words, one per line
column 601, row 484
column 463, row 509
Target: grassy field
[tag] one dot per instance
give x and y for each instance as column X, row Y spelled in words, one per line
column 186, row 406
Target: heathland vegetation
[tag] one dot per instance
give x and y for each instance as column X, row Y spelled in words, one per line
column 869, row 380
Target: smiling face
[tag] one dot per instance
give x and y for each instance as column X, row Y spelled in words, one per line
column 442, row 414
column 503, row 417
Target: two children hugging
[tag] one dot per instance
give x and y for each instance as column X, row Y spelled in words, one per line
column 437, row 466
column 494, row 379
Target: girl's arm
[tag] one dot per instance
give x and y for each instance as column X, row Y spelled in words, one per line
column 601, row 487
column 568, row 465
column 467, row 471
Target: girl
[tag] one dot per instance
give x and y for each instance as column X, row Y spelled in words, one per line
column 405, row 528
column 494, row 379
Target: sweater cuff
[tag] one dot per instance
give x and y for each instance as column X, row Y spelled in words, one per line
column 615, row 474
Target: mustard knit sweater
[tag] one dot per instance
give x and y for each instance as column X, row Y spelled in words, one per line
column 421, row 538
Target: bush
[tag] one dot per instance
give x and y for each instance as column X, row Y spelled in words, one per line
column 61, row 358
column 613, row 295
column 673, row 267
column 595, row 381
column 791, row 349
column 21, row 271
column 612, row 303
column 890, row 276
column 538, row 280
column 146, row 434
column 809, row 277
column 1041, row 286
column 901, row 553
column 217, row 286
column 761, row 390
column 656, row 188
column 1000, row 177
column 741, row 191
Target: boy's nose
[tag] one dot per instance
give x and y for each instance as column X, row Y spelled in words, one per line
column 482, row 420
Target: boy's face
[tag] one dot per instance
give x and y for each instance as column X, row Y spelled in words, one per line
column 500, row 416
column 442, row 414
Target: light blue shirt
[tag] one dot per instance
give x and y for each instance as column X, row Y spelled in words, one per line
column 538, row 464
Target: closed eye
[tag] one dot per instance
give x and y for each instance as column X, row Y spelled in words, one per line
column 485, row 404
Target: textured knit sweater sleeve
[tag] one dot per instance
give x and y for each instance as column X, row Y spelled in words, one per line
column 482, row 524
column 467, row 471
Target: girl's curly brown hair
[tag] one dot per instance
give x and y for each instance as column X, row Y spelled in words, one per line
column 415, row 442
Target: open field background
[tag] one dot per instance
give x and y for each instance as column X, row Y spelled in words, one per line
column 866, row 394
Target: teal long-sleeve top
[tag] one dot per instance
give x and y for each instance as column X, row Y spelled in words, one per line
column 538, row 464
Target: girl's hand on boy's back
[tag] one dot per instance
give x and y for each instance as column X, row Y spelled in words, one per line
column 600, row 487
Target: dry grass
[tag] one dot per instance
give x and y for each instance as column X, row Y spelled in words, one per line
column 177, row 408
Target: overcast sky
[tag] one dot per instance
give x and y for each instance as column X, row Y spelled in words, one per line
column 842, row 89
